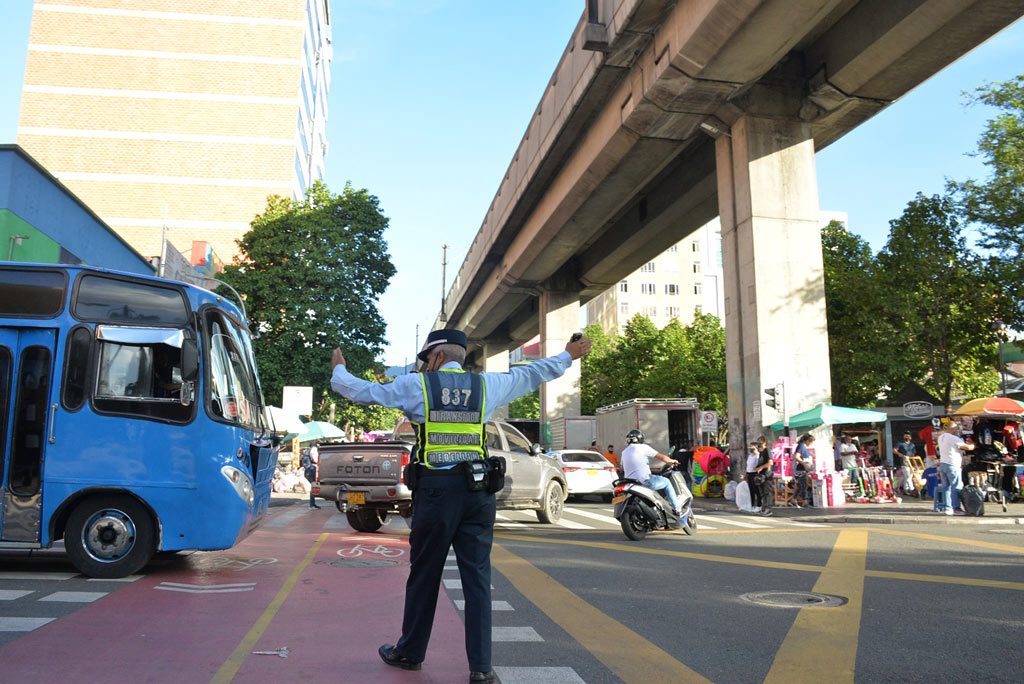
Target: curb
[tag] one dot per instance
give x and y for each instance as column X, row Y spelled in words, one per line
column 880, row 518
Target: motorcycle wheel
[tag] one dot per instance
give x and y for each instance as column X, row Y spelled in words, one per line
column 691, row 524
column 632, row 522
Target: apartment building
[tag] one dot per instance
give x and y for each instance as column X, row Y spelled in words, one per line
column 177, row 119
column 677, row 283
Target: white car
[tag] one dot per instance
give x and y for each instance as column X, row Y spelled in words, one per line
column 586, row 472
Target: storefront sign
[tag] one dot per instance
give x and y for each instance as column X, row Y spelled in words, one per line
column 917, row 409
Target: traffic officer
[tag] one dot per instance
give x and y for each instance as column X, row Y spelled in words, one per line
column 452, row 507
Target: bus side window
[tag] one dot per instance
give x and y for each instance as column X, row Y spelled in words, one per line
column 143, row 380
column 75, row 367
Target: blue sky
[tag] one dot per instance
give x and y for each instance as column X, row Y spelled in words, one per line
column 429, row 100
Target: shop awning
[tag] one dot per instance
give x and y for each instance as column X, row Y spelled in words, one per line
column 827, row 414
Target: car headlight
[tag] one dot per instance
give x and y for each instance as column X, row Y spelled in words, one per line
column 240, row 481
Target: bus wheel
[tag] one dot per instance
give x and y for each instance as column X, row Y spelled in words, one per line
column 109, row 537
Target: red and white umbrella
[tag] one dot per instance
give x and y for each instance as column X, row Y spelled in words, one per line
column 992, row 406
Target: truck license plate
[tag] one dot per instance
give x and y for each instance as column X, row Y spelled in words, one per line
column 593, row 472
column 356, row 498
column 618, row 499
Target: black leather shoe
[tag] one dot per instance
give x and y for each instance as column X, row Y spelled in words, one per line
column 476, row 677
column 388, row 655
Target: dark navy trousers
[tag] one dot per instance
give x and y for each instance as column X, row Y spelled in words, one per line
column 445, row 516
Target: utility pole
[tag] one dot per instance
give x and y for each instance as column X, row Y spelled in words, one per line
column 444, row 280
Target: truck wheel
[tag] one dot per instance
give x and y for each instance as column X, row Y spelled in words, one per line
column 552, row 503
column 109, row 537
column 365, row 519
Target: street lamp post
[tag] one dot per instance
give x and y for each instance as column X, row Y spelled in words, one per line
column 999, row 328
column 14, row 241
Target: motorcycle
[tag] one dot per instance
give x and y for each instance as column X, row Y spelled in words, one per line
column 640, row 509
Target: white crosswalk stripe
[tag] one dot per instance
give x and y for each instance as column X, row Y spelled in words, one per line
column 538, row 675
column 22, row 624
column 730, row 521
column 608, row 519
column 570, row 525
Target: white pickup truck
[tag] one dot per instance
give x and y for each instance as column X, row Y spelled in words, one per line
column 366, row 481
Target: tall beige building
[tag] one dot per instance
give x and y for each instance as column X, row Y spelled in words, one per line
column 680, row 281
column 177, row 118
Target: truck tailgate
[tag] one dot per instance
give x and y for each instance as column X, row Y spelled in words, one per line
column 375, row 463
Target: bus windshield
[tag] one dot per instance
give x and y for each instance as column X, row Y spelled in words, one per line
column 233, row 394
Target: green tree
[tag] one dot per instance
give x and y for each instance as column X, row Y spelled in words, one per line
column 998, row 202
column 311, row 272
column 600, row 381
column 526, row 407
column 941, row 294
column 865, row 351
column 690, row 362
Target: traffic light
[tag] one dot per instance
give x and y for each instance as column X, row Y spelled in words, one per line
column 776, row 397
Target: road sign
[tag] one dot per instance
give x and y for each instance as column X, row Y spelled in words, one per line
column 297, row 400
column 708, row 421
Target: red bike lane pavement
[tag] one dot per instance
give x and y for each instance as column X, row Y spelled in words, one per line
column 329, row 611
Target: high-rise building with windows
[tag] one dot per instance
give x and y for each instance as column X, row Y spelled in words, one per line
column 684, row 279
column 177, row 119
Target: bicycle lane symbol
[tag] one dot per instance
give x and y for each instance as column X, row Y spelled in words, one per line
column 370, row 551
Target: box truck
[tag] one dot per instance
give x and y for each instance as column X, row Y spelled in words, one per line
column 573, row 433
column 666, row 423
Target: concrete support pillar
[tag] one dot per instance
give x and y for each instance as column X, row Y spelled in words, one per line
column 559, row 319
column 495, row 359
column 775, row 324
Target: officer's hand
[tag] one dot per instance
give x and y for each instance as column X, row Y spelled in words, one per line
column 337, row 358
column 578, row 348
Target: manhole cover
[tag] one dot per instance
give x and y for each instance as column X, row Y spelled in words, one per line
column 362, row 563
column 794, row 599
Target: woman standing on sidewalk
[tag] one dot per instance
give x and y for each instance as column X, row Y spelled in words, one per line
column 755, row 489
column 764, row 473
column 803, row 468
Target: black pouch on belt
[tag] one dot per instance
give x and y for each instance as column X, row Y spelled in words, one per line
column 475, row 473
column 496, row 478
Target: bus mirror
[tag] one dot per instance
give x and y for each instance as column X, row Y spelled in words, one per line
column 189, row 360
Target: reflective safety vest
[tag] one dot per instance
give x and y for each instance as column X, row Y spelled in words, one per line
column 453, row 431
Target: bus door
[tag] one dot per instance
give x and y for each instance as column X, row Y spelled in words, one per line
column 26, row 415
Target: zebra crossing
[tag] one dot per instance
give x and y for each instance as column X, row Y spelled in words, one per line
column 597, row 517
column 30, row 600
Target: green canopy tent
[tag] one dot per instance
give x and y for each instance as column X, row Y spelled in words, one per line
column 827, row 414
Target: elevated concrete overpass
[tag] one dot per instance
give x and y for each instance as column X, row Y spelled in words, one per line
column 663, row 114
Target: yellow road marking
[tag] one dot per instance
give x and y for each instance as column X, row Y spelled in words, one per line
column 945, row 579
column 714, row 558
column 230, row 668
column 952, row 540
column 828, row 637
column 631, row 657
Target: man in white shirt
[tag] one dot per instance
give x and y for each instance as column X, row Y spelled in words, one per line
column 848, row 452
column 636, row 464
column 951, row 448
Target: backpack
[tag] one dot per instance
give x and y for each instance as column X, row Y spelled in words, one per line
column 973, row 500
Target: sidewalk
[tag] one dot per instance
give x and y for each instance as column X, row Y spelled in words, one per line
column 910, row 512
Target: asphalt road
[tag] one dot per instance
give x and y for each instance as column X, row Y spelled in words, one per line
column 577, row 602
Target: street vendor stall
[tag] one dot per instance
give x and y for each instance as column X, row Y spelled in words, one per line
column 827, row 484
column 993, row 425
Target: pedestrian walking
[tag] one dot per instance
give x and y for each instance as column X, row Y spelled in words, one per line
column 452, row 480
column 310, row 462
column 764, row 475
column 802, row 469
column 951, row 448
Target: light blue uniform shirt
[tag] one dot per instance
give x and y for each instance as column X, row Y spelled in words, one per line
column 406, row 391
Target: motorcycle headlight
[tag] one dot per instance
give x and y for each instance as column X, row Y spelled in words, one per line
column 240, row 481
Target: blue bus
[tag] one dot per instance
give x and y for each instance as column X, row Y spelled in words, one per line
column 131, row 417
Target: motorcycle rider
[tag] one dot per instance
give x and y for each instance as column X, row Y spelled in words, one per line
column 635, row 461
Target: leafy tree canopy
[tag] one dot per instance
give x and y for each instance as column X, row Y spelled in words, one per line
column 311, row 272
